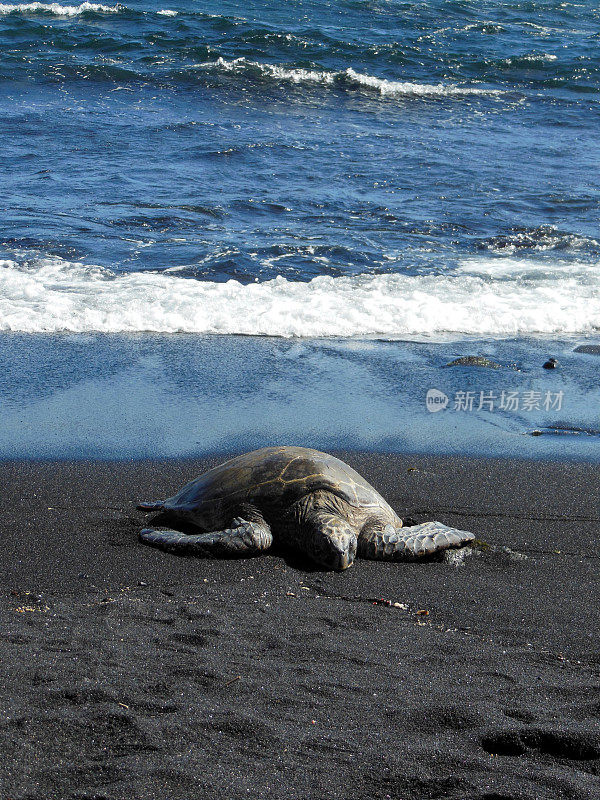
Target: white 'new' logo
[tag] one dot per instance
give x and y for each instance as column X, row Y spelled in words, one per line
column 436, row 400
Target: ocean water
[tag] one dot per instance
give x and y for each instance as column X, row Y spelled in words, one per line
column 344, row 168
column 332, row 171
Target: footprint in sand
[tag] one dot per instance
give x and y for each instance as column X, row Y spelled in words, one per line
column 575, row 745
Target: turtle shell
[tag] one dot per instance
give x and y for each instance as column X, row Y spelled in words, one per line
column 275, row 477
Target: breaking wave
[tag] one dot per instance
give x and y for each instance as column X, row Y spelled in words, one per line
column 496, row 297
column 58, row 9
column 345, row 78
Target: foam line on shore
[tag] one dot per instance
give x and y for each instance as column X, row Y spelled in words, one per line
column 500, row 297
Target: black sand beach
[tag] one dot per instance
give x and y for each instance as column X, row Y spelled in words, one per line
column 130, row 673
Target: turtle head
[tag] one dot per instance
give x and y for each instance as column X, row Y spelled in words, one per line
column 335, row 548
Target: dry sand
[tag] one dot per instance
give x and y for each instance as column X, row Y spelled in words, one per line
column 130, row 673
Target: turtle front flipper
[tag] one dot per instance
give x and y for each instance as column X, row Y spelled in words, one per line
column 242, row 539
column 407, row 544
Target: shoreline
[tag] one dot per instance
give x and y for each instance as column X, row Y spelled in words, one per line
column 116, row 397
column 220, row 456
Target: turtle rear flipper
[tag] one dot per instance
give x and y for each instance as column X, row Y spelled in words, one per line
column 156, row 505
column 242, row 539
column 408, row 544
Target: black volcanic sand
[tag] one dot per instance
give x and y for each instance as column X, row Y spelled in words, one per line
column 131, row 673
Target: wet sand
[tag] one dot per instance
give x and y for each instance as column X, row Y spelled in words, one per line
column 178, row 396
column 131, row 673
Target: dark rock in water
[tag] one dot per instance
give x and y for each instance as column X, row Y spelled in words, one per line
column 590, row 349
column 565, row 429
column 473, row 361
column 552, row 363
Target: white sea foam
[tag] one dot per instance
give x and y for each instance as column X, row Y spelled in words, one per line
column 167, row 12
column 403, row 89
column 496, row 297
column 58, row 9
column 530, row 57
column 347, row 77
column 241, row 65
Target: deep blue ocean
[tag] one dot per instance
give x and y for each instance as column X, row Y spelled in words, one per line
column 374, row 188
column 343, row 168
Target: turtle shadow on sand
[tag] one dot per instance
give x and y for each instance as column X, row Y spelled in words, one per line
column 307, row 503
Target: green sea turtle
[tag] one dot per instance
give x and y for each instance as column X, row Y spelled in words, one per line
column 305, row 500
